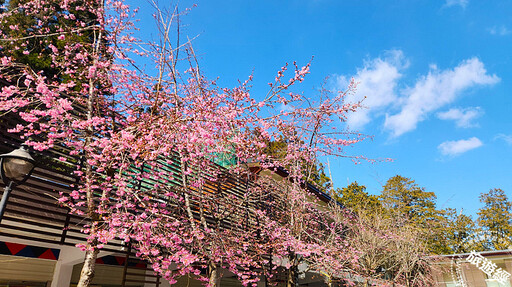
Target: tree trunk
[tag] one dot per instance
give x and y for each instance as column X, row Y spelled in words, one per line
column 329, row 282
column 264, row 280
column 293, row 271
column 91, row 254
column 293, row 277
column 214, row 274
column 88, row 269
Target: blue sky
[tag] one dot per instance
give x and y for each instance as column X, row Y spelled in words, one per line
column 435, row 73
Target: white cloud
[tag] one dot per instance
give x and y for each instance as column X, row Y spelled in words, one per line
column 461, row 3
column 501, row 30
column 377, row 89
column 454, row 148
column 377, row 82
column 462, row 117
column 434, row 91
column 506, row 138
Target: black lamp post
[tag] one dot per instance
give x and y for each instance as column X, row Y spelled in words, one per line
column 15, row 169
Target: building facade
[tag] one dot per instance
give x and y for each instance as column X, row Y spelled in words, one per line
column 477, row 269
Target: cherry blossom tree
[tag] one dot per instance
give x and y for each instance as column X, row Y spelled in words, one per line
column 148, row 140
column 391, row 251
column 69, row 106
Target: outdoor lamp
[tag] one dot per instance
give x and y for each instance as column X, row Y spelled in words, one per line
column 15, row 169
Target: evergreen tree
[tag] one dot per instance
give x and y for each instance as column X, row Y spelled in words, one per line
column 495, row 219
column 459, row 233
column 404, row 196
column 35, row 35
column 355, row 197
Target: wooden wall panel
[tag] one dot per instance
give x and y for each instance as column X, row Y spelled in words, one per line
column 15, row 268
